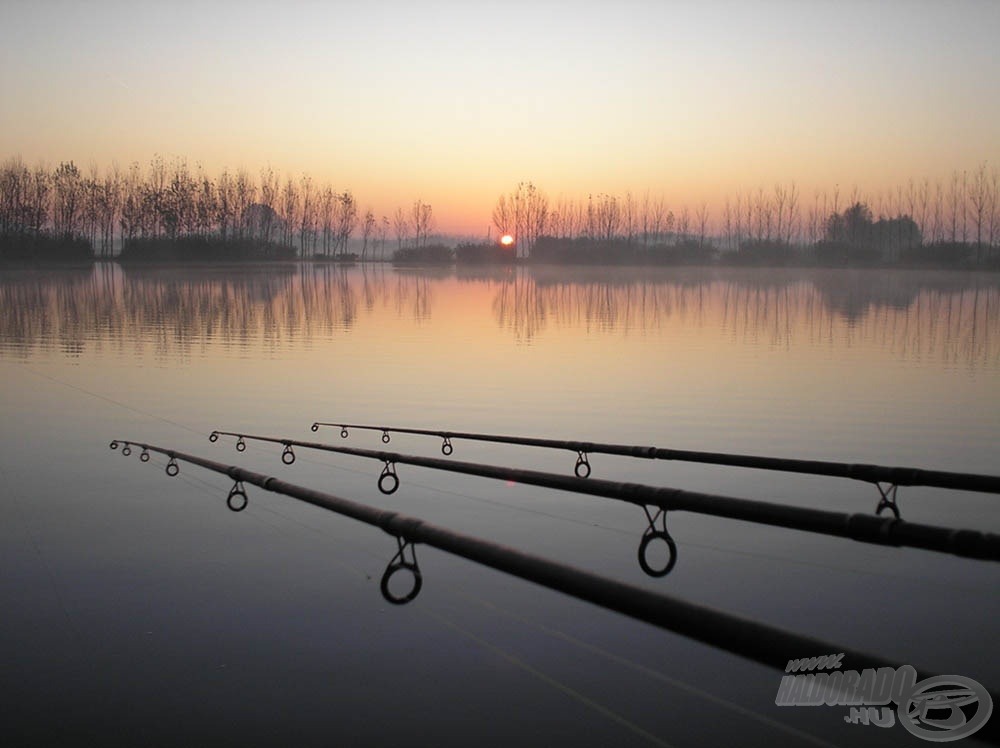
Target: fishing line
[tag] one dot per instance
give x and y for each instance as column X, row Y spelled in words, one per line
column 573, row 641
column 259, row 448
column 453, row 493
column 26, row 527
column 549, row 680
column 646, row 670
column 111, row 400
column 725, row 551
column 751, row 554
column 314, row 533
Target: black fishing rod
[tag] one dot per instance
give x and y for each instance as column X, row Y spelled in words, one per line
column 759, row 642
column 865, row 528
column 893, row 477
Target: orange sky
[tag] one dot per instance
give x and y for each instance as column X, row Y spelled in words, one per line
column 455, row 103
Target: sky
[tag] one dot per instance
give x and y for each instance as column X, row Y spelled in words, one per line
column 455, row 102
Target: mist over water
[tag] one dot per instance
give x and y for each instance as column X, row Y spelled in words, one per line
column 144, row 610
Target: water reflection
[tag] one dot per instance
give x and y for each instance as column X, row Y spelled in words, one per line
column 952, row 318
column 178, row 309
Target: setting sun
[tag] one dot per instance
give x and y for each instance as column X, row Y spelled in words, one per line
column 506, row 240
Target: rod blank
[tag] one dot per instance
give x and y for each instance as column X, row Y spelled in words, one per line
column 861, row 527
column 755, row 641
column 763, row 643
column 899, row 476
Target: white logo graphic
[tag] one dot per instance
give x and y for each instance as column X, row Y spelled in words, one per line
column 939, row 709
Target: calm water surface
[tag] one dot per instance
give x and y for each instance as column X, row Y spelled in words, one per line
column 138, row 610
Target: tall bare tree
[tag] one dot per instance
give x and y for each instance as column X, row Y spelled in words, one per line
column 367, row 229
column 68, row 197
column 503, row 216
column 422, row 216
column 347, row 219
column 401, row 225
column 979, row 200
column 702, row 217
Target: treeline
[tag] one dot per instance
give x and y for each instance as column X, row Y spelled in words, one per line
column 954, row 223
column 169, row 210
column 42, row 214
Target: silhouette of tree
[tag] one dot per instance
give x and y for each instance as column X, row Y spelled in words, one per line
column 401, row 225
column 423, row 219
column 67, row 200
column 367, row 229
column 980, row 200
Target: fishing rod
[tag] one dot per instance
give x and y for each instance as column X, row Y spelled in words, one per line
column 865, row 528
column 755, row 641
column 892, row 477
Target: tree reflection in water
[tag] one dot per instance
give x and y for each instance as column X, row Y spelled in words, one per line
column 950, row 317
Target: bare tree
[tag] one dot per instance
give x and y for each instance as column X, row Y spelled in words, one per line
column 661, row 220
column 994, row 207
column 608, row 217
column 956, row 204
column 503, row 216
column 814, row 220
column 727, row 219
column 131, row 211
column 307, row 216
column 68, row 200
column 367, row 229
column 923, row 207
column 246, row 195
column 702, row 217
column 289, row 210
column 629, row 218
column 347, row 219
column 792, row 219
column 327, row 218
column 109, row 207
column 780, row 199
column 92, row 203
column 177, row 212
column 269, row 189
column 401, row 225
column 937, row 213
column 535, row 215
column 684, row 224
column 225, row 204
column 423, row 216
column 383, row 232
column 979, row 200
column 206, row 205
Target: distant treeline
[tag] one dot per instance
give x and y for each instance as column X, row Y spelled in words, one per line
column 953, row 225
column 168, row 211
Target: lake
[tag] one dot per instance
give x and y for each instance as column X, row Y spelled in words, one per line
column 138, row 610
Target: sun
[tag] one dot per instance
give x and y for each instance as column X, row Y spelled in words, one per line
column 506, row 240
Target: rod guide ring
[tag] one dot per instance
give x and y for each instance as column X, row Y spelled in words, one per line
column 388, row 475
column 237, row 499
column 648, row 538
